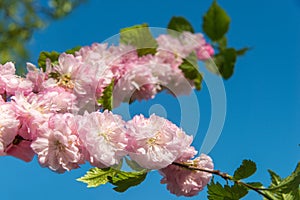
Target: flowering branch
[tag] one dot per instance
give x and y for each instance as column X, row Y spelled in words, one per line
column 224, row 175
column 279, row 189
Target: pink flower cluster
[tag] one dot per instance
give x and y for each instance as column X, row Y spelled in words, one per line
column 54, row 113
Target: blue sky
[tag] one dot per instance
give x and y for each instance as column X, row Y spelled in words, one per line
column 263, row 97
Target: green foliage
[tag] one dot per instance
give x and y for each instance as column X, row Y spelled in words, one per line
column 121, row 179
column 44, row 55
column 255, row 184
column 53, row 56
column 106, row 99
column 124, row 180
column 215, row 25
column 218, row 192
column 215, row 22
column 178, row 25
column 280, row 189
column 21, row 18
column 189, row 67
column 140, row 37
column 73, row 50
column 285, row 189
column 246, row 169
column 96, row 177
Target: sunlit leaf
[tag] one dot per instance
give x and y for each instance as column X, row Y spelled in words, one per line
column 121, row 179
column 96, row 177
column 140, row 37
column 215, row 22
column 246, row 169
column 53, row 56
column 218, row 192
column 179, row 25
column 124, row 180
column 106, row 99
column 190, row 68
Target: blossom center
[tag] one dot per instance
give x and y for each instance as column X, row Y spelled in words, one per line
column 59, row 146
column 66, row 81
column 105, row 135
column 154, row 140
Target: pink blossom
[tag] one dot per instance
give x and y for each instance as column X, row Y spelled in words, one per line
column 57, row 145
column 104, row 137
column 36, row 76
column 172, row 44
column 137, row 83
column 11, row 83
column 186, row 182
column 20, row 148
column 96, row 59
column 57, row 100
column 31, row 112
column 155, row 143
column 8, row 126
column 205, row 52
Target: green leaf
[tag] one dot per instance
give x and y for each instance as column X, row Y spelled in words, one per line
column 140, row 37
column 121, row 179
column 53, row 56
column 242, row 51
column 246, row 169
column 237, row 191
column 255, row 184
column 96, row 177
column 179, row 25
column 189, row 67
column 275, row 178
column 225, row 61
column 106, row 99
column 73, row 50
column 217, row 192
column 288, row 184
column 215, row 22
column 124, row 180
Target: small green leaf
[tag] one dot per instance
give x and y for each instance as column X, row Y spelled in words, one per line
column 96, row 177
column 284, row 189
column 215, row 22
column 255, row 184
column 179, row 25
column 124, row 180
column 237, row 191
column 217, row 192
column 121, row 179
column 242, row 51
column 106, row 99
column 189, row 67
column 288, row 184
column 140, row 37
column 73, row 50
column 246, row 169
column 53, row 56
column 225, row 61
column 275, row 178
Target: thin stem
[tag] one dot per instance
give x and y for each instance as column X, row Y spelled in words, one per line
column 224, row 176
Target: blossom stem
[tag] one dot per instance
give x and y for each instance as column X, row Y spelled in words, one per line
column 225, row 176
